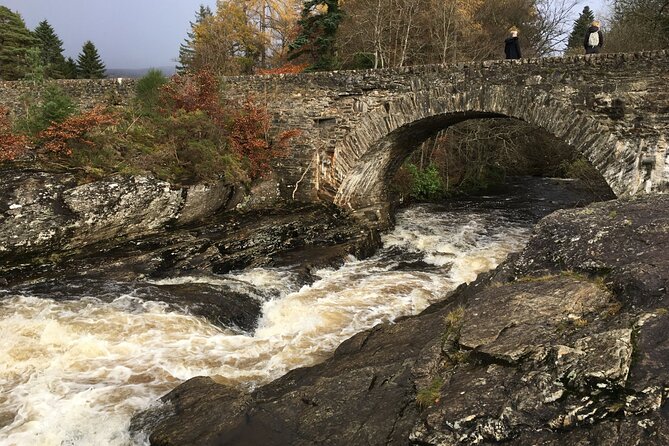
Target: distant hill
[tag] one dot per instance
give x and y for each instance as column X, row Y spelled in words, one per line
column 137, row 72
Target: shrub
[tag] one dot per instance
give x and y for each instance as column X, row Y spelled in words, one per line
column 12, row 145
column 288, row 68
column 426, row 184
column 249, row 138
column 428, row 396
column 191, row 92
column 148, row 90
column 53, row 106
column 60, row 137
column 360, row 61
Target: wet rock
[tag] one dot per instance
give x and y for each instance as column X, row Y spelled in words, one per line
column 533, row 312
column 564, row 343
column 46, row 214
column 627, row 242
column 130, row 228
column 356, row 397
column 234, row 306
column 32, row 216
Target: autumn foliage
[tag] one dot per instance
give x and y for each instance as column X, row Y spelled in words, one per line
column 12, row 146
column 60, row 137
column 187, row 133
column 249, row 138
column 191, row 92
column 285, row 69
column 242, row 129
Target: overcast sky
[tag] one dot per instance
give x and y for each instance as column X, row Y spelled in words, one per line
column 129, row 33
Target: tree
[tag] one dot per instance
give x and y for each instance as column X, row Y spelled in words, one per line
column 395, row 33
column 187, row 49
column 15, row 42
column 581, row 26
column 639, row 25
column 319, row 22
column 89, row 64
column 553, row 17
column 70, row 69
column 227, row 43
column 243, row 36
column 51, row 50
column 275, row 22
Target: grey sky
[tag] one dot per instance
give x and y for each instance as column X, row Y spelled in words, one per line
column 127, row 33
column 130, row 33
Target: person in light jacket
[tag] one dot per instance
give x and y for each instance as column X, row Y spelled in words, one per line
column 594, row 39
column 511, row 45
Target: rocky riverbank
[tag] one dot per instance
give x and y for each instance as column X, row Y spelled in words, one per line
column 65, row 241
column 565, row 343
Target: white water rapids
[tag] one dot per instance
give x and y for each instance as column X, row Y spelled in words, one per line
column 74, row 372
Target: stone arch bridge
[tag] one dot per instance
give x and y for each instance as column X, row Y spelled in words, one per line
column 359, row 126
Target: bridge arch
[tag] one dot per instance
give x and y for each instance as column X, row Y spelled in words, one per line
column 366, row 159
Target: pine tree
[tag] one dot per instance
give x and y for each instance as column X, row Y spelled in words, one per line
column 89, row 64
column 319, row 23
column 581, row 26
column 51, row 48
column 70, row 69
column 15, row 42
column 186, row 50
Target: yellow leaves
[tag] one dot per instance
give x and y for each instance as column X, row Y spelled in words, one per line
column 321, row 9
column 244, row 34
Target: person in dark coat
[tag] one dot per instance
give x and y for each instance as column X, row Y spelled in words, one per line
column 511, row 45
column 594, row 39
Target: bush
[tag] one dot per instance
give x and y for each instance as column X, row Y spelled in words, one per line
column 61, row 137
column 249, row 138
column 430, row 395
column 12, row 145
column 426, row 184
column 53, row 106
column 360, row 61
column 288, row 68
column 148, row 90
column 180, row 130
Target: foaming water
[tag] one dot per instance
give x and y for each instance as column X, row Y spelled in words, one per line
column 73, row 372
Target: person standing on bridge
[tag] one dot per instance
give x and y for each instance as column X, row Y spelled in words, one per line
column 594, row 39
column 511, row 45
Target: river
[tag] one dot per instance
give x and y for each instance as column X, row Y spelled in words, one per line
column 72, row 372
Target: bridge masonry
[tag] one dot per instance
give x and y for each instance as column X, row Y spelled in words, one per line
column 358, row 126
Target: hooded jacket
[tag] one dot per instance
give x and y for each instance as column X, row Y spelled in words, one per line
column 588, row 48
column 512, row 48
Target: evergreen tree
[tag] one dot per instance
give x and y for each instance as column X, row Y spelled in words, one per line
column 639, row 25
column 319, row 23
column 70, row 69
column 89, row 64
column 186, row 49
column 51, row 48
column 15, row 42
column 581, row 26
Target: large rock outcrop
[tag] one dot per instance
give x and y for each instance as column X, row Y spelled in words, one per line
column 128, row 227
column 61, row 240
column 565, row 343
column 44, row 213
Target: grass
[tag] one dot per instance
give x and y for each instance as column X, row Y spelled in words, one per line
column 430, row 395
column 453, row 321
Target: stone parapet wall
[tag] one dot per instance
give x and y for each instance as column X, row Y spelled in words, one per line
column 86, row 93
